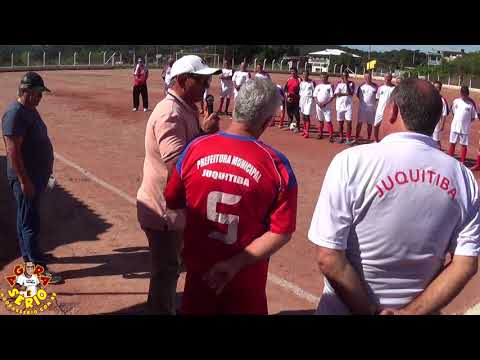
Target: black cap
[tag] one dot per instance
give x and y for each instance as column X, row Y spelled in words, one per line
column 32, row 80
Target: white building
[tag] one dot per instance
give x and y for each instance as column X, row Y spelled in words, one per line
column 434, row 57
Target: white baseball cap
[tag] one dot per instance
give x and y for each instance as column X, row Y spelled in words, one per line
column 192, row 64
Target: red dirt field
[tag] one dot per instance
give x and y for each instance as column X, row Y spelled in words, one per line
column 91, row 233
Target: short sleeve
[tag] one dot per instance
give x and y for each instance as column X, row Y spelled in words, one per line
column 14, row 125
column 315, row 91
column 377, row 94
column 332, row 218
column 171, row 137
column 21, row 280
column 283, row 217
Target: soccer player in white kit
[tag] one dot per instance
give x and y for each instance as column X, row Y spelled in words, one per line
column 344, row 105
column 226, row 86
column 262, row 74
column 240, row 77
column 383, row 94
column 323, row 96
column 389, row 213
column 445, row 111
column 366, row 94
column 307, row 86
column 464, row 113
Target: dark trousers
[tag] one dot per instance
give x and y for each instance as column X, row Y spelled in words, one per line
column 165, row 250
column 137, row 90
column 28, row 224
column 293, row 110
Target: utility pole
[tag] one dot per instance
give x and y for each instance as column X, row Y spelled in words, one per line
column 413, row 61
column 369, row 51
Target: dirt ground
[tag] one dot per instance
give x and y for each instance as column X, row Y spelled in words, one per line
column 91, row 233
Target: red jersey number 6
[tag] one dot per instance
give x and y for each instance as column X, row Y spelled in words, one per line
column 213, row 199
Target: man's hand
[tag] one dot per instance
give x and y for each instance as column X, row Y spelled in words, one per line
column 210, row 123
column 220, row 275
column 27, row 187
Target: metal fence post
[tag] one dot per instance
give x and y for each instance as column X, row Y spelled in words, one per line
column 146, row 59
column 459, row 81
column 273, row 64
column 255, row 63
column 470, row 82
column 44, row 59
column 341, row 68
column 448, row 79
column 121, row 59
column 74, row 59
column 355, row 70
column 134, row 59
column 104, row 56
column 28, row 58
column 334, row 67
column 113, row 59
column 89, row 58
column 12, row 61
column 438, row 77
column 428, row 76
column 59, row 58
column 281, row 64
column 264, row 62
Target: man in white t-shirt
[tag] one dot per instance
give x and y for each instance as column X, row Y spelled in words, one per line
column 383, row 94
column 388, row 214
column 366, row 94
column 464, row 113
column 240, row 77
column 344, row 105
column 28, row 283
column 262, row 74
column 307, row 86
column 166, row 75
column 445, row 111
column 323, row 96
column 226, row 86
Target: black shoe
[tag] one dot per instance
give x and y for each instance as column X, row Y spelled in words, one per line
column 340, row 141
column 54, row 279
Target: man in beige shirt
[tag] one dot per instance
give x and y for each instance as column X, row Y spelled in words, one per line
column 173, row 124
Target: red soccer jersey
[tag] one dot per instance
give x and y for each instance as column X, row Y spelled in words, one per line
column 293, row 89
column 235, row 188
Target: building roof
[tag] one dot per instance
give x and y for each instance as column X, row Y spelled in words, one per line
column 332, row 52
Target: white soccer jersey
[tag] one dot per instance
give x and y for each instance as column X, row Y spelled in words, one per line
column 306, row 88
column 396, row 207
column 463, row 114
column 240, row 77
column 383, row 94
column 323, row 92
column 30, row 283
column 168, row 77
column 225, row 84
column 444, row 113
column 367, row 95
column 344, row 103
column 265, row 76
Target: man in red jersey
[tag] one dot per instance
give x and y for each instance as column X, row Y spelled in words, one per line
column 240, row 197
column 292, row 94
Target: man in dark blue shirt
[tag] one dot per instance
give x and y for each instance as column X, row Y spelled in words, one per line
column 29, row 164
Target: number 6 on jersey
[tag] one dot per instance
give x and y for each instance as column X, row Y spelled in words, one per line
column 213, row 199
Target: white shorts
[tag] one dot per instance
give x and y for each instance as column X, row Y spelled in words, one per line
column 378, row 118
column 324, row 114
column 235, row 92
column 226, row 91
column 366, row 115
column 454, row 137
column 344, row 115
column 436, row 135
column 306, row 104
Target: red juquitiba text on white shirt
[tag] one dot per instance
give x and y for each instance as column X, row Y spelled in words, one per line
column 417, row 176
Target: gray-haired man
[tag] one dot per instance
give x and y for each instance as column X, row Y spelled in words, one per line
column 240, row 197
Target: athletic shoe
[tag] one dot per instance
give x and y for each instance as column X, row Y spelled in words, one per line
column 319, row 136
column 146, row 110
column 134, row 109
column 340, row 141
column 348, row 142
column 305, row 136
column 54, row 279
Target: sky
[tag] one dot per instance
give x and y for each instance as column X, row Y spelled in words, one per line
column 467, row 48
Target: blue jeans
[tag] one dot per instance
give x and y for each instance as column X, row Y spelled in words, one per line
column 28, row 223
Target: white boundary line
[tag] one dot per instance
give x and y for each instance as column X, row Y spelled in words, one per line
column 277, row 280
